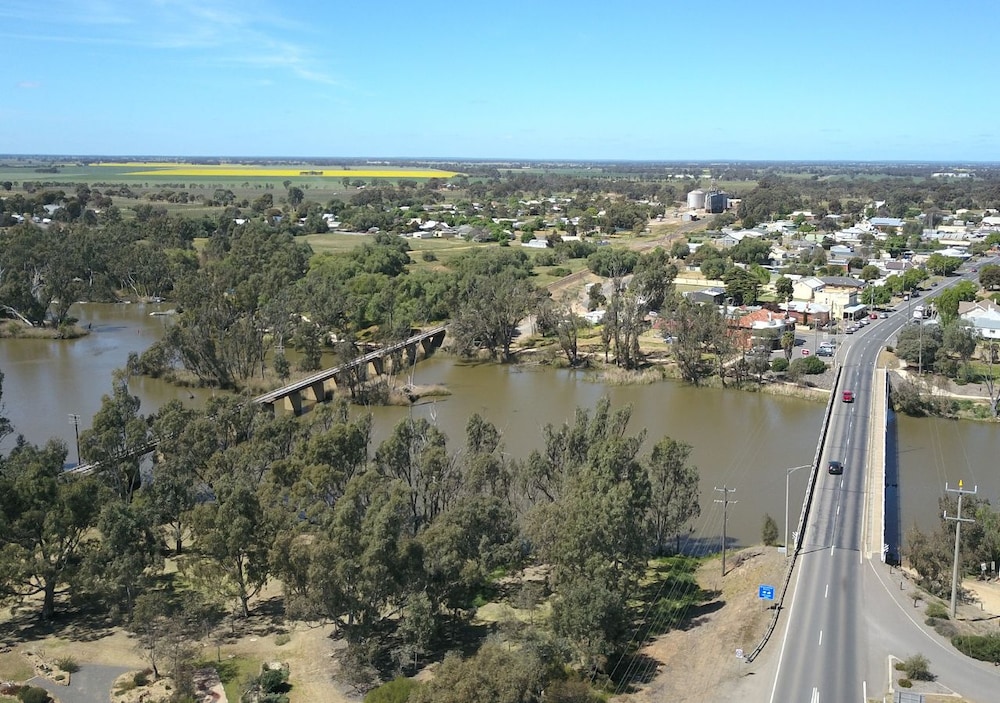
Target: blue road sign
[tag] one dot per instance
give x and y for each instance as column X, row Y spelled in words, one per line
column 766, row 592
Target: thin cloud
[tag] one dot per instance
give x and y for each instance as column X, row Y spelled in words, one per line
column 244, row 33
column 28, row 85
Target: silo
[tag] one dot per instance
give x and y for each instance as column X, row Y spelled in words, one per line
column 696, row 199
column 716, row 201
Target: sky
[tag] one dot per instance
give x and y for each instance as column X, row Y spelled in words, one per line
column 548, row 79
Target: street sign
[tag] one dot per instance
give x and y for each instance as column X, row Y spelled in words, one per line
column 765, row 592
column 739, row 653
column 805, row 352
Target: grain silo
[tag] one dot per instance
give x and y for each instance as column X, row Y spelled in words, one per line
column 696, row 199
column 716, row 201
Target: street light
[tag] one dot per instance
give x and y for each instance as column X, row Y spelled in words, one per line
column 788, row 473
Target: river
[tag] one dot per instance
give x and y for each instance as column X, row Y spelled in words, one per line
column 743, row 441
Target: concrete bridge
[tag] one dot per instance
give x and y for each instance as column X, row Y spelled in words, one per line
column 321, row 384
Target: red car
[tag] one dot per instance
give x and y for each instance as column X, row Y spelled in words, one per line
column 848, row 396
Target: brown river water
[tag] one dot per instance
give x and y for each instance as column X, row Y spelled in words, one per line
column 740, row 440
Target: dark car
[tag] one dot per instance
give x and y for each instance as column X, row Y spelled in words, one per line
column 835, row 467
column 824, row 351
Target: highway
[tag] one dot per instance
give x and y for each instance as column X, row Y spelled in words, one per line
column 844, row 617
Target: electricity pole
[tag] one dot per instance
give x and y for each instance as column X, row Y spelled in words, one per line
column 725, row 515
column 958, row 536
column 75, row 419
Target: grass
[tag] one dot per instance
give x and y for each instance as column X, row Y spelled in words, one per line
column 234, row 672
column 14, row 667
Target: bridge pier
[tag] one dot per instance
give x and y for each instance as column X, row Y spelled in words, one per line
column 317, row 392
column 293, row 402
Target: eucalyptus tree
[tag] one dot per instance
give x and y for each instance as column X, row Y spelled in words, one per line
column 46, row 524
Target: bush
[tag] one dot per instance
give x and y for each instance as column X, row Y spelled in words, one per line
column 905, row 683
column 779, row 365
column 33, row 694
column 983, row 647
column 560, row 271
column 769, row 533
column 938, row 611
column 283, row 639
column 917, row 667
column 429, row 256
column 68, row 664
column 807, row 365
column 396, row 691
column 140, row 678
column 273, row 681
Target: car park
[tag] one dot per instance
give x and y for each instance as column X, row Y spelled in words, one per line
column 835, row 467
column 848, row 396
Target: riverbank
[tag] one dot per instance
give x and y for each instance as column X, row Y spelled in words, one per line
column 15, row 329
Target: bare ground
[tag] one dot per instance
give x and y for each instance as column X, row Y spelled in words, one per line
column 699, row 662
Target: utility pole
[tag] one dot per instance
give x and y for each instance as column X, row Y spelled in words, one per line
column 725, row 515
column 75, row 419
column 958, row 536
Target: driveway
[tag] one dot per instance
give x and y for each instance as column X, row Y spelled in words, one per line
column 91, row 684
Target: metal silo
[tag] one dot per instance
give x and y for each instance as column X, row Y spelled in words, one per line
column 696, row 199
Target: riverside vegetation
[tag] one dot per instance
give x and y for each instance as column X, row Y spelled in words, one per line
column 399, row 543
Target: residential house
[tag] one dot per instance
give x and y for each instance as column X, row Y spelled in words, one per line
column 883, row 223
column 807, row 313
column 984, row 315
column 839, row 293
column 762, row 327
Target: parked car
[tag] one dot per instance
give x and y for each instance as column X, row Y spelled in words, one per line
column 824, row 351
column 848, row 396
column 873, row 316
column 850, row 330
column 883, row 315
column 835, row 467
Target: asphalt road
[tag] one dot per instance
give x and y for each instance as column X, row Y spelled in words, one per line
column 844, row 618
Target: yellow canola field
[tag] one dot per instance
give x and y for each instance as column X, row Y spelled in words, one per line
column 305, row 171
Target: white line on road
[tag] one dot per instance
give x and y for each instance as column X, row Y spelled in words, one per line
column 815, row 696
column 820, row 639
column 826, row 593
column 864, row 690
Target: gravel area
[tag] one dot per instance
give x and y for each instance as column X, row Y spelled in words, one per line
column 91, row 684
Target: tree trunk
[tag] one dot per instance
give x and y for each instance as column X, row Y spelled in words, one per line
column 49, row 600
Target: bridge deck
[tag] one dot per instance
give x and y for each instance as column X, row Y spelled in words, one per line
column 320, row 376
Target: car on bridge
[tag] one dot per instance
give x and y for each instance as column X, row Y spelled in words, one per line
column 848, row 396
column 835, row 467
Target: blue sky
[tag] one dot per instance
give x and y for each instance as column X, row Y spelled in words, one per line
column 655, row 80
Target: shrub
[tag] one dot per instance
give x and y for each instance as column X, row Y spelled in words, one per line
column 282, row 639
column 140, row 678
column 429, row 256
column 983, row 647
column 938, row 611
column 905, row 683
column 33, row 694
column 68, row 664
column 769, row 533
column 779, row 365
column 396, row 691
column 917, row 667
column 273, row 681
column 560, row 271
column 807, row 365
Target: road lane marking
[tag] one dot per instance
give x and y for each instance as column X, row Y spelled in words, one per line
column 820, row 639
column 826, row 593
column 815, row 696
column 784, row 640
column 864, row 690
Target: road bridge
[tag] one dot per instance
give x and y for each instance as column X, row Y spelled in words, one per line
column 318, row 386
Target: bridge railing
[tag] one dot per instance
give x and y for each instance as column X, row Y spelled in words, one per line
column 803, row 518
